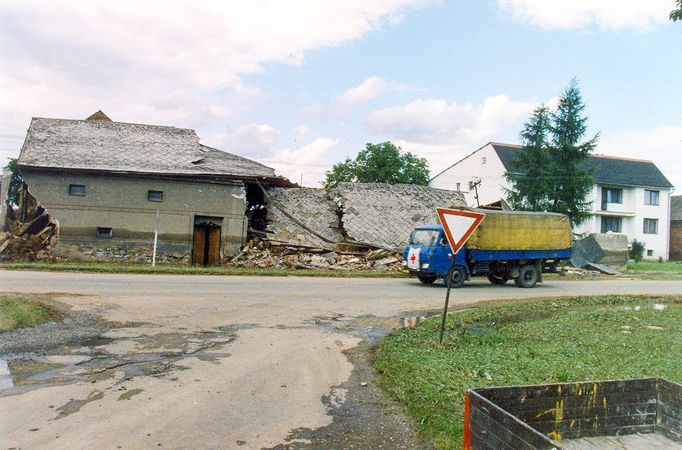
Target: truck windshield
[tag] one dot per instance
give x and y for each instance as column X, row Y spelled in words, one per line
column 424, row 238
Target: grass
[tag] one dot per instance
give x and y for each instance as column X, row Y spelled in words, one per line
column 654, row 266
column 655, row 270
column 538, row 341
column 22, row 312
column 193, row 270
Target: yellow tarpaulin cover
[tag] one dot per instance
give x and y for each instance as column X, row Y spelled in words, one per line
column 518, row 230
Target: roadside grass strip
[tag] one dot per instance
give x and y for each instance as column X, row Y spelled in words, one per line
column 529, row 342
column 176, row 269
column 18, row 312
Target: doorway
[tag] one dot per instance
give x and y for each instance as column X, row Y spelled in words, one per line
column 206, row 242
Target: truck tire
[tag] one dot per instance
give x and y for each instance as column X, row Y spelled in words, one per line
column 427, row 279
column 456, row 277
column 498, row 279
column 528, row 276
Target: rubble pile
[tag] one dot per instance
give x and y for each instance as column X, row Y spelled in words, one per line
column 30, row 231
column 264, row 254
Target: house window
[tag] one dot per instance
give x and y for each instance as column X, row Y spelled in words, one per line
column 611, row 195
column 104, row 232
column 611, row 224
column 650, row 197
column 471, row 185
column 155, row 196
column 483, row 159
column 650, row 226
column 650, row 253
column 77, row 189
column 458, row 186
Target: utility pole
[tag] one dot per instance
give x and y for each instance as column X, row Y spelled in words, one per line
column 475, row 184
column 156, row 236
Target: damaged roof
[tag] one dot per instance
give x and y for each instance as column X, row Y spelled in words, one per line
column 607, row 169
column 309, row 207
column 104, row 145
column 385, row 215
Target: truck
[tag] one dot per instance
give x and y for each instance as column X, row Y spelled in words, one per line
column 508, row 245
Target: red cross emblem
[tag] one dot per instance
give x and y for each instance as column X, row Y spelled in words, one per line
column 413, row 257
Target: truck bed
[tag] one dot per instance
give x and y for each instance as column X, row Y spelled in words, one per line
column 478, row 255
column 628, row 442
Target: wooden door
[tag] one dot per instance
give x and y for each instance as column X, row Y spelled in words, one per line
column 199, row 247
column 213, row 245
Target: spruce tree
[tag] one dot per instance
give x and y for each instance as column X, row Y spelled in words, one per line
column 550, row 173
column 529, row 186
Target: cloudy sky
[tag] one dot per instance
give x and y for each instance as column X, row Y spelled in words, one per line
column 300, row 85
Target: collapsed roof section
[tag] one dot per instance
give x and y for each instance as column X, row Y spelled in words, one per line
column 303, row 217
column 356, row 214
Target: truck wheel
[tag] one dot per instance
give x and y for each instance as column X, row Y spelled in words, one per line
column 528, row 276
column 498, row 279
column 456, row 277
column 427, row 279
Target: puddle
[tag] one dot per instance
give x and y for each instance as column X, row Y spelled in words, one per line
column 97, row 341
column 75, row 405
column 125, row 352
column 129, row 394
column 5, row 377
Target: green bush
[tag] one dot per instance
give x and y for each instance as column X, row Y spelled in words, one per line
column 636, row 250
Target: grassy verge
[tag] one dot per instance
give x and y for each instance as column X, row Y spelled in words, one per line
column 538, row 341
column 654, row 270
column 21, row 312
column 192, row 270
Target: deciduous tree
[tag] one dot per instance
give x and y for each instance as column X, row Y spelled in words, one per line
column 380, row 163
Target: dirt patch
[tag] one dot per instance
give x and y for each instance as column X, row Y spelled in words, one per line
column 363, row 416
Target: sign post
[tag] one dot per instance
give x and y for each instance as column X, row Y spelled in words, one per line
column 458, row 226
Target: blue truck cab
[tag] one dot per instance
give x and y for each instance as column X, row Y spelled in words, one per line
column 428, row 257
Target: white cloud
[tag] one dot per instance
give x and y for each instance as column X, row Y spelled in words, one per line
column 662, row 145
column 169, row 62
column 249, row 139
column 606, row 14
column 304, row 162
column 370, row 89
column 437, row 122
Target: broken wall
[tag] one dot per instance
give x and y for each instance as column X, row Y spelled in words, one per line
column 364, row 214
column 291, row 210
column 385, row 214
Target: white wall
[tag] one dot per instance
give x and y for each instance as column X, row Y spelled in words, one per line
column 633, row 211
column 491, row 172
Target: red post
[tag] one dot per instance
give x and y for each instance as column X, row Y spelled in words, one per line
column 466, row 444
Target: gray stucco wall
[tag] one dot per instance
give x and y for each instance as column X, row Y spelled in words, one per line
column 120, row 203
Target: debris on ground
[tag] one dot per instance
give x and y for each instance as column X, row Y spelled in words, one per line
column 30, row 230
column 264, row 254
column 604, row 252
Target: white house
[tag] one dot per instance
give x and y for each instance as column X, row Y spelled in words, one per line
column 631, row 196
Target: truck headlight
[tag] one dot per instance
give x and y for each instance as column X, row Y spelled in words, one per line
column 425, row 266
column 404, row 263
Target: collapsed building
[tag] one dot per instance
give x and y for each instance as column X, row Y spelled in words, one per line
column 113, row 186
column 110, row 190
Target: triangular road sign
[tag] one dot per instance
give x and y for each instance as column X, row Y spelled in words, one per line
column 459, row 225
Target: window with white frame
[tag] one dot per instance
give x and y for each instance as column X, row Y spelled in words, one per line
column 651, row 197
column 611, row 224
column 611, row 195
column 650, row 226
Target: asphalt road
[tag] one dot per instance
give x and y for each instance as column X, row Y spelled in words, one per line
column 274, row 362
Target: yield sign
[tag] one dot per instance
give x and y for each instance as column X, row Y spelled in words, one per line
column 459, row 225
